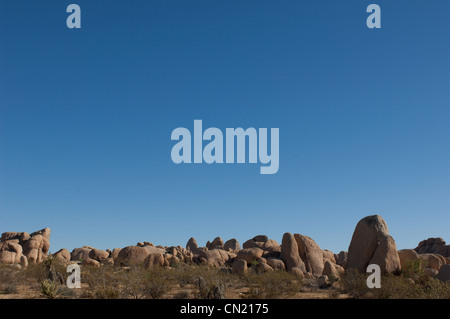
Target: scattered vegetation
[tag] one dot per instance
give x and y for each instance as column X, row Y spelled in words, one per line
column 49, row 289
column 47, row 280
column 272, row 285
column 410, row 283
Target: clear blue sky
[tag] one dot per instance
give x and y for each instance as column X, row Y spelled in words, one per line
column 86, row 118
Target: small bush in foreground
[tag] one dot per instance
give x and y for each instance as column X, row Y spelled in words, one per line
column 401, row 286
column 49, row 288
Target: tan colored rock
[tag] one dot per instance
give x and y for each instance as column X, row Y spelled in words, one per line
column 431, row 260
column 154, row 260
column 36, row 248
column 290, row 253
column 8, row 257
column 256, row 242
column 90, row 262
column 310, row 253
column 261, row 238
column 297, row 272
column 23, row 261
column 43, row 232
column 430, row 272
column 250, row 254
column 233, row 245
column 252, row 244
column 239, row 266
column 271, row 245
column 215, row 257
column 13, row 241
column 433, row 246
column 166, row 263
column 276, row 263
column 372, row 244
column 10, row 252
column 341, row 258
column 262, row 267
column 173, row 251
column 365, row 241
column 262, row 260
column 386, row 255
column 24, row 236
column 98, row 254
column 442, row 258
column 217, row 243
column 63, row 255
column 329, row 255
column 9, row 235
column 407, row 256
column 115, row 253
column 329, row 269
column 133, row 255
column 80, row 254
column 444, row 273
column 192, row 244
column 339, row 269
column 168, row 256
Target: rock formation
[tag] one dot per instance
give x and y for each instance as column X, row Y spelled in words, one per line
column 24, row 248
column 372, row 244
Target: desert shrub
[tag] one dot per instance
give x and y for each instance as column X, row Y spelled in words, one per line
column 135, row 283
column 401, row 286
column 212, row 289
column 103, row 282
column 271, row 285
column 185, row 276
column 435, row 289
column 108, row 282
column 52, row 269
column 415, row 270
column 8, row 274
column 156, row 284
column 355, row 284
column 50, row 289
column 105, row 293
column 34, row 273
column 208, row 282
column 10, row 279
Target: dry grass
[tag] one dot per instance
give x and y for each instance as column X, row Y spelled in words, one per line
column 410, row 283
column 204, row 282
column 271, row 285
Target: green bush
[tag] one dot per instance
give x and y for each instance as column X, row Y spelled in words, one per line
column 49, row 289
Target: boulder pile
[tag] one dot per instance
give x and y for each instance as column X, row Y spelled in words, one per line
column 22, row 248
column 297, row 253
